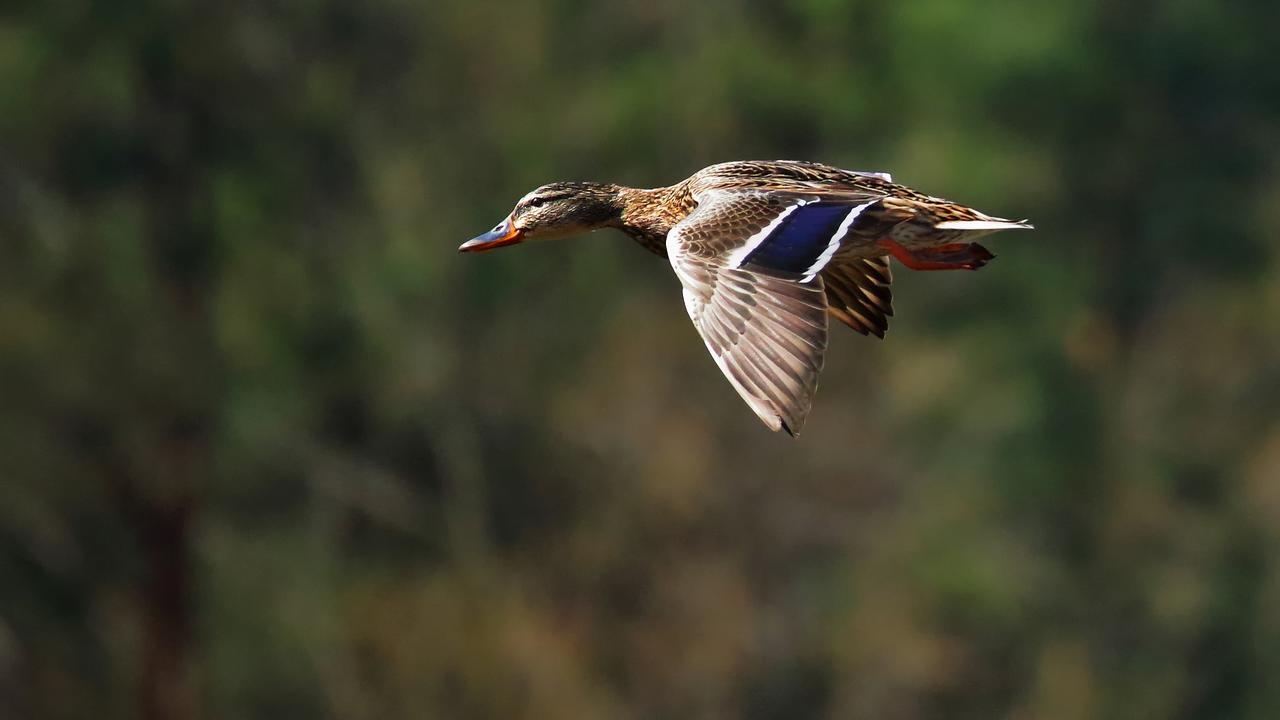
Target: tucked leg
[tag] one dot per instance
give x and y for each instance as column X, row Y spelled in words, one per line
column 943, row 249
column 956, row 256
column 958, row 252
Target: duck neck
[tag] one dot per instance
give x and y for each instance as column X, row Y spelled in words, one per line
column 643, row 216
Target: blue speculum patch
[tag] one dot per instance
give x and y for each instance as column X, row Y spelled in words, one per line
column 801, row 237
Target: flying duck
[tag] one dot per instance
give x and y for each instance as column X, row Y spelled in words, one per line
column 765, row 252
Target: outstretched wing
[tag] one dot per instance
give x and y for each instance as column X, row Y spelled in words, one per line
column 749, row 263
column 858, row 293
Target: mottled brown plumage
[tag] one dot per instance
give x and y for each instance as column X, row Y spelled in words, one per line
column 766, row 251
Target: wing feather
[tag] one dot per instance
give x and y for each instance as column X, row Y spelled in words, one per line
column 859, row 294
column 766, row 330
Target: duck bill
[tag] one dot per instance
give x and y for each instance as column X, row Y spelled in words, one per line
column 506, row 233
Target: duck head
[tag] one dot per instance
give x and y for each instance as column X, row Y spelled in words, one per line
column 553, row 211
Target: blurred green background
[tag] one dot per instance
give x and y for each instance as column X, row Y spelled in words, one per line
column 270, row 448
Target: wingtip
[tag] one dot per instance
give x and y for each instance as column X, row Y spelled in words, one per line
column 787, row 428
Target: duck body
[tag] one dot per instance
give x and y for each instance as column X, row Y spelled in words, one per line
column 908, row 217
column 765, row 252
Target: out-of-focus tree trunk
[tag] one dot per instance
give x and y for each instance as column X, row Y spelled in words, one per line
column 165, row 682
column 182, row 257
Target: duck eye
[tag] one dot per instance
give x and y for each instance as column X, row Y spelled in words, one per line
column 537, row 202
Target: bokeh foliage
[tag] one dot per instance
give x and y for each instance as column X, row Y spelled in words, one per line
column 270, row 448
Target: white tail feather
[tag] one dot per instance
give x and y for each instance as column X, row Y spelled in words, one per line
column 983, row 225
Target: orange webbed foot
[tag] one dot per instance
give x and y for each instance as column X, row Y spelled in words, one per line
column 955, row 256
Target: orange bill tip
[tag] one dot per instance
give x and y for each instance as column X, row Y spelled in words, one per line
column 504, row 233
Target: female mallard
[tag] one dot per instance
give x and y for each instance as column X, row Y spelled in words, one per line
column 765, row 251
